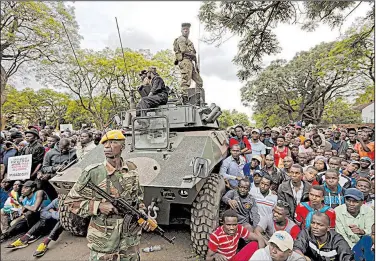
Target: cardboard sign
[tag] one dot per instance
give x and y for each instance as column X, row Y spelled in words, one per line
column 64, row 127
column 19, row 167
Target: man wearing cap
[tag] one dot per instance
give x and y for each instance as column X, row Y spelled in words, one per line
column 298, row 134
column 158, row 93
column 258, row 148
column 365, row 163
column 251, row 167
column 320, row 243
column 110, row 236
column 272, row 140
column 279, row 249
column 244, row 204
column 353, row 219
column 35, row 149
column 185, row 56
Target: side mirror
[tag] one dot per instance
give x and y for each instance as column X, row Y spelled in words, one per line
column 200, row 167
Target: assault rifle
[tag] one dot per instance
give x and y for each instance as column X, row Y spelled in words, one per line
column 123, row 207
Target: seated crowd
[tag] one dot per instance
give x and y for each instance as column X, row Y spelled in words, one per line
column 293, row 194
column 31, row 207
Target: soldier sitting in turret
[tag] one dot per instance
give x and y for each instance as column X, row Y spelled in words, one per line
column 158, row 93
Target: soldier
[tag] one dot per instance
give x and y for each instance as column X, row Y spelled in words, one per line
column 158, row 94
column 185, row 56
column 110, row 236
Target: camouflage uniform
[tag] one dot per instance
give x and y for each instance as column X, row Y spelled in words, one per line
column 110, row 237
column 184, row 46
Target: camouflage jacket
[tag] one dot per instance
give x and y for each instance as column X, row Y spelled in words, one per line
column 184, row 46
column 107, row 234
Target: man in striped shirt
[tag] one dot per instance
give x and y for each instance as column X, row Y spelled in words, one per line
column 264, row 197
column 223, row 242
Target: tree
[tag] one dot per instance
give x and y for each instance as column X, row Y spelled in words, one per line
column 301, row 87
column 32, row 106
column 101, row 81
column 367, row 96
column 231, row 118
column 254, row 21
column 31, row 31
column 339, row 111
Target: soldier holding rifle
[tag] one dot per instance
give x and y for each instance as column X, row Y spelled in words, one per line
column 111, row 236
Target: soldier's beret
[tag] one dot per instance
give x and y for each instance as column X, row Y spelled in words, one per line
column 112, row 135
column 183, row 25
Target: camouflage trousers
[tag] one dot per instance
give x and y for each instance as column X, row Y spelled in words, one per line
column 117, row 256
column 189, row 73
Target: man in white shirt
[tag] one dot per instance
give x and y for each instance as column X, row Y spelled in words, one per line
column 279, row 249
column 264, row 197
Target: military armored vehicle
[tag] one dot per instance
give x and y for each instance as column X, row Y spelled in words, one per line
column 178, row 150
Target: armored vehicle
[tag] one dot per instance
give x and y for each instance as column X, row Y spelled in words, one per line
column 178, row 150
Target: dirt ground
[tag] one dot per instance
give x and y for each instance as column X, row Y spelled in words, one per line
column 69, row 247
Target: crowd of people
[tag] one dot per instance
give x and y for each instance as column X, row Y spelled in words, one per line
column 32, row 205
column 297, row 194
column 291, row 193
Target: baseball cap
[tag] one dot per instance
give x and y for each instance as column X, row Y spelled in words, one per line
column 275, row 129
column 257, row 157
column 283, row 240
column 298, row 127
column 29, row 183
column 355, row 162
column 259, row 172
column 354, row 193
column 256, row 130
column 366, row 159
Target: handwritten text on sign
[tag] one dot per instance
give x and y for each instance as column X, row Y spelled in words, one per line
column 19, row 167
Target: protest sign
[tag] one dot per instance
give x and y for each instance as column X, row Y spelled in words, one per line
column 19, row 167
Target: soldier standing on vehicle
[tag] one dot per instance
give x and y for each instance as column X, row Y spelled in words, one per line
column 110, row 236
column 185, row 56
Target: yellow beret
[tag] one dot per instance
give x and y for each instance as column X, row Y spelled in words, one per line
column 112, row 135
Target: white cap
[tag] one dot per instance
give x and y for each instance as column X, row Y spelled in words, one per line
column 283, row 240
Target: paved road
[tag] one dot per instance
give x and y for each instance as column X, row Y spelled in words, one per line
column 69, row 247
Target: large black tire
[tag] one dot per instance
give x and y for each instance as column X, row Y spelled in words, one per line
column 71, row 222
column 205, row 213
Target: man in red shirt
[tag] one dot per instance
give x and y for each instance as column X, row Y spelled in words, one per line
column 305, row 210
column 223, row 242
column 245, row 146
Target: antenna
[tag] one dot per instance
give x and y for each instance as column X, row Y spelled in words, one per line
column 75, row 56
column 131, row 93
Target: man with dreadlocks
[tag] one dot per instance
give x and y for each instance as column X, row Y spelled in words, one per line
column 158, row 94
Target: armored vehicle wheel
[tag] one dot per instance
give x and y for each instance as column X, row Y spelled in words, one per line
column 205, row 213
column 71, row 222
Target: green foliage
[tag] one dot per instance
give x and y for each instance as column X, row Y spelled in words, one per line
column 339, row 111
column 231, row 118
column 32, row 31
column 254, row 22
column 104, row 83
column 31, row 105
column 367, row 96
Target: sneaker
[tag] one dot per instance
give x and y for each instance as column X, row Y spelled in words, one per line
column 32, row 239
column 17, row 244
column 41, row 250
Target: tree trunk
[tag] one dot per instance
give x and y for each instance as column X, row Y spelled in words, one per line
column 4, row 79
